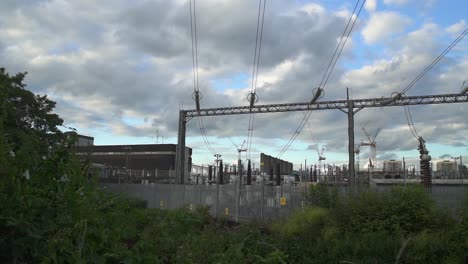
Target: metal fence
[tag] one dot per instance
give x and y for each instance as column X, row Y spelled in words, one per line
column 121, row 175
column 256, row 202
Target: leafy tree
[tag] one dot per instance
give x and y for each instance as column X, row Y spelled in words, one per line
column 28, row 126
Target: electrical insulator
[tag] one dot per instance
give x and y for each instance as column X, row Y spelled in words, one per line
column 465, row 90
column 392, row 99
column 252, row 98
column 426, row 157
column 197, row 96
column 318, row 93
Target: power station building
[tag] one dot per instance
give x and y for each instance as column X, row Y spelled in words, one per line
column 140, row 159
column 268, row 163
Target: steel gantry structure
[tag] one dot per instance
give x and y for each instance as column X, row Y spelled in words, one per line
column 348, row 106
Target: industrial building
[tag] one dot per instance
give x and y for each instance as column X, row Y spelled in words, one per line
column 392, row 166
column 392, row 169
column 142, row 160
column 446, row 169
column 268, row 163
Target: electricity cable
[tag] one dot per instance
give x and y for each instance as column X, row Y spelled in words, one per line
column 435, row 61
column 344, row 43
column 193, row 35
column 260, row 45
column 411, row 125
column 327, row 73
column 256, row 65
column 193, row 50
column 408, row 115
column 338, row 46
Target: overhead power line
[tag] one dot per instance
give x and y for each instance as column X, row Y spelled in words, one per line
column 409, row 119
column 196, row 89
column 435, row 61
column 338, row 46
column 331, row 65
column 344, row 42
column 408, row 115
column 256, row 64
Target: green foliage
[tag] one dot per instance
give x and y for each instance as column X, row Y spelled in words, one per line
column 402, row 210
column 28, row 125
column 323, row 196
column 309, row 220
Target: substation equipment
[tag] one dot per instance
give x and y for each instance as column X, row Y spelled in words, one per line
column 349, row 106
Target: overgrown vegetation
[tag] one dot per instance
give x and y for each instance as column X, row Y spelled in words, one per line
column 53, row 212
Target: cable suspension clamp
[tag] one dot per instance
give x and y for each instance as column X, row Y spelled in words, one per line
column 465, row 90
column 394, row 97
column 252, row 98
column 197, row 96
column 317, row 93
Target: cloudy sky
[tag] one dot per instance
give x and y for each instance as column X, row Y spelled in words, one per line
column 120, row 70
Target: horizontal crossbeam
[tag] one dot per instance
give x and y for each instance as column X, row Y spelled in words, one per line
column 324, row 105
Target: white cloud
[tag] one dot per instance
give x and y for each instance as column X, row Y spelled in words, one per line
column 457, row 28
column 383, row 25
column 371, row 5
column 396, row 2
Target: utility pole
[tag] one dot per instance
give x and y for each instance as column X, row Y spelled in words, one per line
column 180, row 148
column 404, row 171
column 305, row 166
column 249, row 173
column 351, row 177
column 462, row 167
column 239, row 181
column 217, row 156
column 302, row 174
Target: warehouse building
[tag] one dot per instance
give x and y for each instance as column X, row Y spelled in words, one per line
column 140, row 160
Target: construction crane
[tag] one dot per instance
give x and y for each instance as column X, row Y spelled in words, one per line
column 373, row 146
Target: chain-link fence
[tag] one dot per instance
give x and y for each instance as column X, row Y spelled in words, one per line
column 261, row 202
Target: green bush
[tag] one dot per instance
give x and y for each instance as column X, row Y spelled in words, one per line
column 321, row 195
column 310, row 220
column 402, row 210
